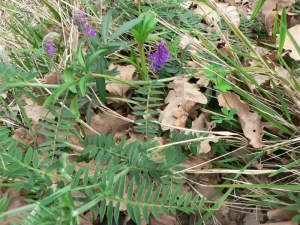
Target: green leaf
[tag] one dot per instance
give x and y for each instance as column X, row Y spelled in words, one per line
column 122, row 186
column 68, row 77
column 54, row 12
column 148, row 193
column 80, row 57
column 28, row 156
column 283, row 104
column 130, row 189
column 140, row 191
column 117, row 212
column 110, row 213
column 165, row 196
column 86, row 175
column 130, row 210
column 93, row 56
column 155, row 212
column 187, row 199
column 283, row 21
column 296, row 218
column 35, row 159
column 124, row 28
column 137, row 214
column 105, row 25
column 145, row 213
column 74, row 106
column 257, row 8
column 82, row 84
column 156, row 194
column 181, row 199
column 102, row 209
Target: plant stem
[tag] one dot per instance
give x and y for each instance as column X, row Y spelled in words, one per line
column 115, row 79
column 143, row 61
column 139, row 6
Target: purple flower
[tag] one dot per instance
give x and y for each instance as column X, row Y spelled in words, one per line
column 81, row 21
column 48, row 43
column 160, row 57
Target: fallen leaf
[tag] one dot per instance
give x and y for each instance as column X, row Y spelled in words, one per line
column 230, row 11
column 250, row 121
column 199, row 124
column 288, row 45
column 105, row 123
column 281, row 214
column 52, row 78
column 282, row 223
column 125, row 73
column 180, row 101
column 35, row 111
column 163, row 220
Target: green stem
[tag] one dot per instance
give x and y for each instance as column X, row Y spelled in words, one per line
column 114, row 79
column 139, row 6
column 143, row 61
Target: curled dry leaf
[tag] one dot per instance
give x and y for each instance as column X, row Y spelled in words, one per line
column 250, row 121
column 180, row 101
column 199, row 124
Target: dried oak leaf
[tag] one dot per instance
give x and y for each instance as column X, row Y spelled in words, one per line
column 163, row 220
column 288, row 44
column 199, row 124
column 180, row 101
column 250, row 121
column 126, row 73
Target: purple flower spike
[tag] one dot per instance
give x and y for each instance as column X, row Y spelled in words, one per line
column 160, row 57
column 48, row 43
column 81, row 21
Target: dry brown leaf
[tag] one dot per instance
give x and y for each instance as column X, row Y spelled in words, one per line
column 230, row 11
column 163, row 220
column 52, row 78
column 17, row 201
column 189, row 40
column 35, row 111
column 270, row 5
column 126, row 73
column 281, row 214
column 250, row 121
column 281, row 223
column 105, row 123
column 90, row 215
column 199, row 124
column 180, row 101
column 196, row 164
column 222, row 213
column 288, row 45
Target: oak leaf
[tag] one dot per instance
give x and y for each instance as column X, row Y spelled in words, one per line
column 180, row 101
column 250, row 121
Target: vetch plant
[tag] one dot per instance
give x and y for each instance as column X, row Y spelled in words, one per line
column 141, row 33
column 160, row 57
column 82, row 23
column 48, row 43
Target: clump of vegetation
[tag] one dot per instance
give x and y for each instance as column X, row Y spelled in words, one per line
column 153, row 112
